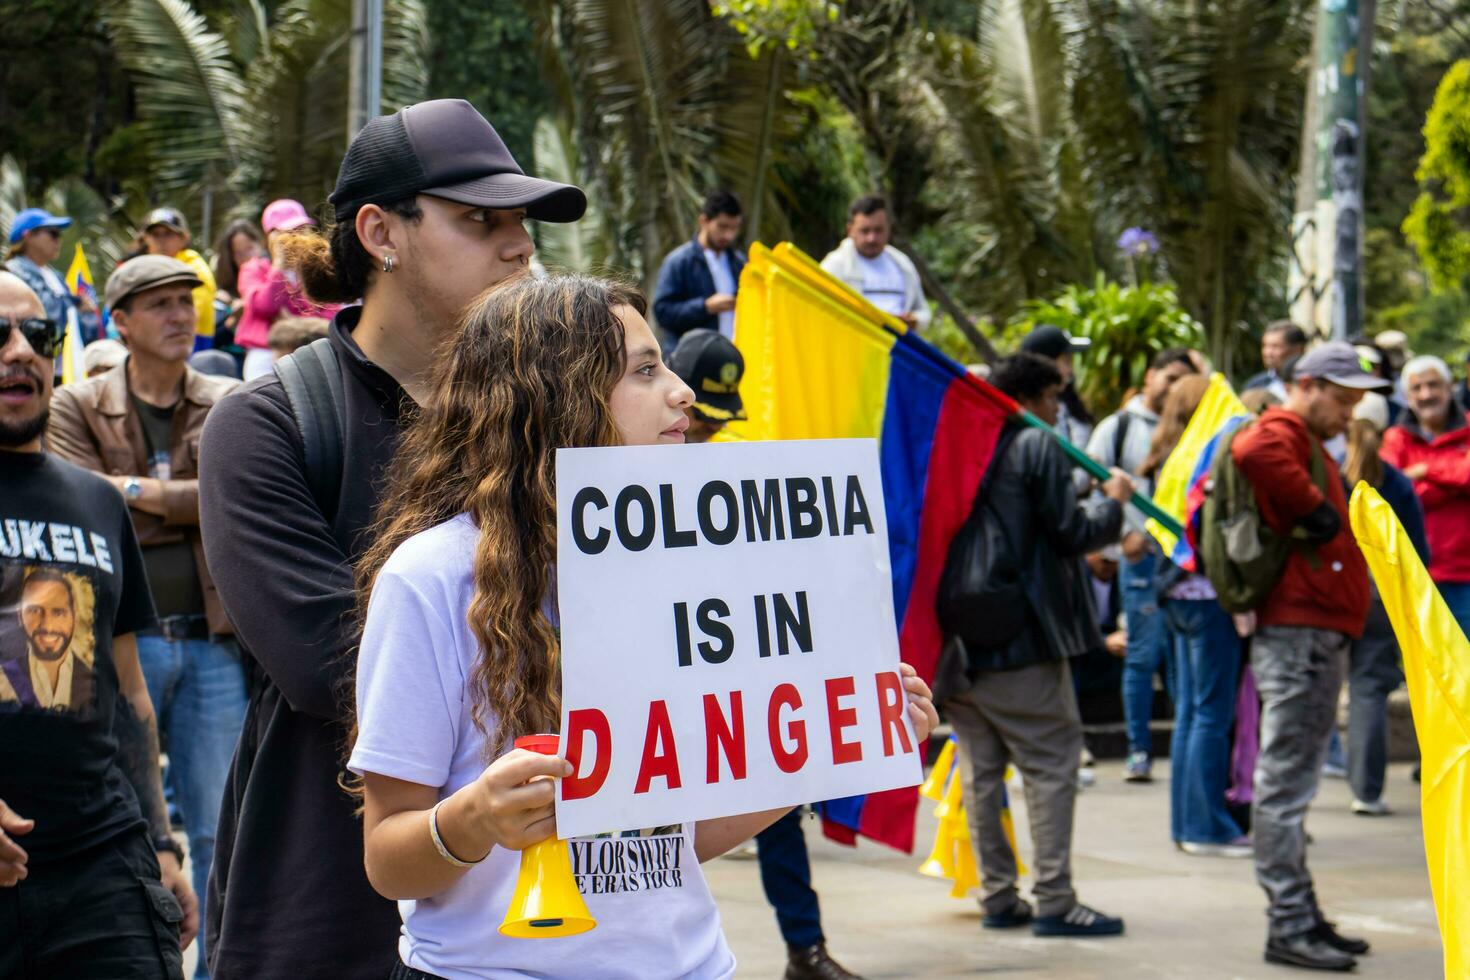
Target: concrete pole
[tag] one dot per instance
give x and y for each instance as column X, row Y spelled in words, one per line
column 365, row 68
column 1326, row 284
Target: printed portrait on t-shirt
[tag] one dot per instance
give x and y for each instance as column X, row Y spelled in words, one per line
column 47, row 640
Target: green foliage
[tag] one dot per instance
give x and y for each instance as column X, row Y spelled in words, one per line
column 1434, row 225
column 1127, row 326
column 100, row 234
column 486, row 53
column 792, row 24
column 664, row 103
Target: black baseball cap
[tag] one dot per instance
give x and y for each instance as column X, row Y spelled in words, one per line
column 707, row 362
column 1053, row 342
column 445, row 148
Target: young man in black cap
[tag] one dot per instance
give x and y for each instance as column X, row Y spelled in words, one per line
column 1056, row 345
column 712, row 366
column 91, row 886
column 430, row 208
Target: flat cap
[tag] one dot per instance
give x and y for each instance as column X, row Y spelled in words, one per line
column 146, row 272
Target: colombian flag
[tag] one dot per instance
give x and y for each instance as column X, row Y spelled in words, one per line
column 1437, row 669
column 821, row 362
column 1181, row 485
column 79, row 282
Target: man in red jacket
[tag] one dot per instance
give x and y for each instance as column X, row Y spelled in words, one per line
column 1431, row 444
column 1302, row 634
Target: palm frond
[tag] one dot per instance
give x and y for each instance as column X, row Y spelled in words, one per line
column 247, row 27
column 190, row 95
column 579, row 245
column 12, row 193
column 405, row 53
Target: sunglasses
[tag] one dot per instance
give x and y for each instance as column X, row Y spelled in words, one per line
column 44, row 335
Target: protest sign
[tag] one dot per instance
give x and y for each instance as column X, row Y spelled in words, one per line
column 728, row 638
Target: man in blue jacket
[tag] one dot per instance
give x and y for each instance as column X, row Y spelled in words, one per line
column 698, row 280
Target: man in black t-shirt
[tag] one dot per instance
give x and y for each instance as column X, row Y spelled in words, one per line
column 90, row 880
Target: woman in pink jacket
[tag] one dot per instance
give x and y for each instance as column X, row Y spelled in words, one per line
column 270, row 291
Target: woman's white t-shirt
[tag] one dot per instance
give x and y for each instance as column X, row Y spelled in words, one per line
column 655, row 916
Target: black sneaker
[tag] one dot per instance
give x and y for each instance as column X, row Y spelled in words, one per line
column 1327, row 932
column 814, row 963
column 1309, row 952
column 1079, row 920
column 1017, row 915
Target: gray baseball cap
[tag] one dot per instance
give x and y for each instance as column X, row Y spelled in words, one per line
column 146, row 272
column 1336, row 361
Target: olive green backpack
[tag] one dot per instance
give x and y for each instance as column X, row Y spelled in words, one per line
column 1242, row 557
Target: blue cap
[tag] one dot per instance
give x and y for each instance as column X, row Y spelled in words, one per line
column 32, row 218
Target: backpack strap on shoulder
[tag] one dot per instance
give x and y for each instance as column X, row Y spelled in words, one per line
column 312, row 379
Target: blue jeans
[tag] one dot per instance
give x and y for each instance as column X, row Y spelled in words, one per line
column 786, row 875
column 1457, row 596
column 1148, row 646
column 1206, row 671
column 198, row 693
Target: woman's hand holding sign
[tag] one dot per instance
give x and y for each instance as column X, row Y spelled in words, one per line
column 715, row 837
column 921, row 702
column 514, row 798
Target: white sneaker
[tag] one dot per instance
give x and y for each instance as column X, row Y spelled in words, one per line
column 1241, row 848
column 1371, row 808
column 1085, row 778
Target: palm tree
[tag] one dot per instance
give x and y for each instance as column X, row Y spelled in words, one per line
column 263, row 113
column 659, row 102
column 1189, row 118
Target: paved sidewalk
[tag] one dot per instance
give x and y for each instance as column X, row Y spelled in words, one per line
column 1187, row 917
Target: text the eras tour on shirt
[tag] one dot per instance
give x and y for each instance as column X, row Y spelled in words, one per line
column 633, row 861
column 48, row 615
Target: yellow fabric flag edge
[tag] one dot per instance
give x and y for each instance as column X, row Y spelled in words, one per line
column 1218, row 405
column 1432, row 645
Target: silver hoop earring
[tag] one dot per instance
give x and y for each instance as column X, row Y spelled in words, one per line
column 387, row 263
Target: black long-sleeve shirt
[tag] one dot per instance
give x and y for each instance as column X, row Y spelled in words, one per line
column 288, row 895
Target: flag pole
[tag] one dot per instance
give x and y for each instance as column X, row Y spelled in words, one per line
column 1101, row 472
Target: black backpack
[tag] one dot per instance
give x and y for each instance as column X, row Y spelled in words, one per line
column 1241, row 555
column 312, row 379
column 982, row 590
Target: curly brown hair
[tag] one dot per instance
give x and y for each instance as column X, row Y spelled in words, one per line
column 529, row 371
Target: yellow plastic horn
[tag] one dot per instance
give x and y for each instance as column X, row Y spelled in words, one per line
column 954, row 799
column 940, row 863
column 546, row 902
column 966, row 874
column 933, row 787
column 1009, row 825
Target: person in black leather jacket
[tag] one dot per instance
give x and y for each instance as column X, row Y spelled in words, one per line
column 1020, row 706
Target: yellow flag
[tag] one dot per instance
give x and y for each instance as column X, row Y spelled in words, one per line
column 816, row 354
column 79, row 282
column 1437, row 669
column 1218, row 406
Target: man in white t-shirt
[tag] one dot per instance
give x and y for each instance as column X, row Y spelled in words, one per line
column 865, row 261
